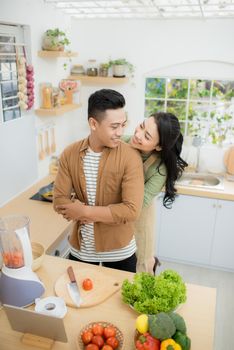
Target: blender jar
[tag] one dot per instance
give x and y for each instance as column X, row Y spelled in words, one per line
column 14, row 241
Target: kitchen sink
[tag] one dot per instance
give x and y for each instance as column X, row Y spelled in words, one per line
column 201, row 180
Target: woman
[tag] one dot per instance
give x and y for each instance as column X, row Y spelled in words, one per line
column 159, row 140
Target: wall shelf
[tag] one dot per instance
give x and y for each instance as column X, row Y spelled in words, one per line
column 55, row 54
column 43, row 112
column 86, row 80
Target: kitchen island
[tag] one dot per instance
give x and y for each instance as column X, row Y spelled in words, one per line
column 198, row 311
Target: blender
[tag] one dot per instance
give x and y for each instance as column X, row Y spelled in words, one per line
column 19, row 285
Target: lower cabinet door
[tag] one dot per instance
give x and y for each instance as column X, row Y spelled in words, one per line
column 222, row 254
column 185, row 232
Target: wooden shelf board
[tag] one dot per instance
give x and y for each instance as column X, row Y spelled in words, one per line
column 54, row 54
column 56, row 111
column 85, row 79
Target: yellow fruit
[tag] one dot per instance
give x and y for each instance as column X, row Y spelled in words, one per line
column 142, row 323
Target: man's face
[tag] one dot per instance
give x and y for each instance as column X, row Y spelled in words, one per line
column 108, row 131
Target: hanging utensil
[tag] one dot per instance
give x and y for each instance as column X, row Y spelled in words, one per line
column 42, row 153
column 53, row 143
column 47, row 143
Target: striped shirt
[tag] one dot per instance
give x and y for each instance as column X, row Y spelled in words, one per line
column 87, row 250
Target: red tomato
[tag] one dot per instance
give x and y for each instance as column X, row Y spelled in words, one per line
column 87, row 337
column 113, row 342
column 87, row 284
column 109, row 332
column 97, row 329
column 92, row 347
column 105, row 347
column 98, row 340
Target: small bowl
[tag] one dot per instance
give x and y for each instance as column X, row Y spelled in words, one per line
column 38, row 252
column 119, row 335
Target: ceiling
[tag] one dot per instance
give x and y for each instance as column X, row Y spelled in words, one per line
column 146, row 9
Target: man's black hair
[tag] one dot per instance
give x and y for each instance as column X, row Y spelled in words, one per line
column 102, row 100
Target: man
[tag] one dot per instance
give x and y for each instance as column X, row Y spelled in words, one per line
column 107, row 177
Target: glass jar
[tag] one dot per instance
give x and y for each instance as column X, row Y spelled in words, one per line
column 103, row 70
column 55, row 97
column 46, row 95
column 92, row 70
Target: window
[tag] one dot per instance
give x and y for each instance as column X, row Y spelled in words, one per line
column 10, row 48
column 204, row 107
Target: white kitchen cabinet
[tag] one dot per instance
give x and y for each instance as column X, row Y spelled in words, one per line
column 196, row 230
column 185, row 231
column 222, row 252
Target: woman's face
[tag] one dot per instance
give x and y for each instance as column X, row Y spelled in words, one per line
column 146, row 136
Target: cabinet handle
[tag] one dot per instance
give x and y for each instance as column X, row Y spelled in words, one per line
column 214, row 205
column 220, row 206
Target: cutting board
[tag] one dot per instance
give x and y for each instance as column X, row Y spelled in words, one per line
column 103, row 287
column 229, row 160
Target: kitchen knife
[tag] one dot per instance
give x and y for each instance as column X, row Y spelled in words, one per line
column 73, row 288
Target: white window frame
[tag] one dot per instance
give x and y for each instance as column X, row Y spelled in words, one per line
column 207, row 121
column 17, row 32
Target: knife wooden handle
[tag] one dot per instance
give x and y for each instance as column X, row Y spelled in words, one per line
column 71, row 274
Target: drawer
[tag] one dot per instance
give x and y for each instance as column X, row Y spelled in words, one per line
column 62, row 248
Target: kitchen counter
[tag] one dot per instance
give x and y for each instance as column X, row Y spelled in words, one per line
column 49, row 228
column 198, row 311
column 46, row 226
column 227, row 193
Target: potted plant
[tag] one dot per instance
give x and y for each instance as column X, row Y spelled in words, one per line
column 120, row 66
column 54, row 40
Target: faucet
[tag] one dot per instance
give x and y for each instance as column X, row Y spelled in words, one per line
column 197, row 141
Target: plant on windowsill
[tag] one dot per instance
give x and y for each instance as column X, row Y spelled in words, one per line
column 55, row 40
column 120, row 67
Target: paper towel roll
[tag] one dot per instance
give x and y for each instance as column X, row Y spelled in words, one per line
column 52, row 306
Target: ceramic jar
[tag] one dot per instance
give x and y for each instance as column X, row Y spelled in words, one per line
column 78, row 69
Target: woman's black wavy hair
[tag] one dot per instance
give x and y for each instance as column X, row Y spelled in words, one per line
column 170, row 141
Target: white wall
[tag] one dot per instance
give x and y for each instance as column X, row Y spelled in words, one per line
column 39, row 16
column 153, row 47
column 149, row 45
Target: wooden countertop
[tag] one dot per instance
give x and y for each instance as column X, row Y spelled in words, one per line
column 198, row 312
column 46, row 226
column 49, row 228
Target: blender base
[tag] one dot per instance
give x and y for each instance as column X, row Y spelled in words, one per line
column 19, row 292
